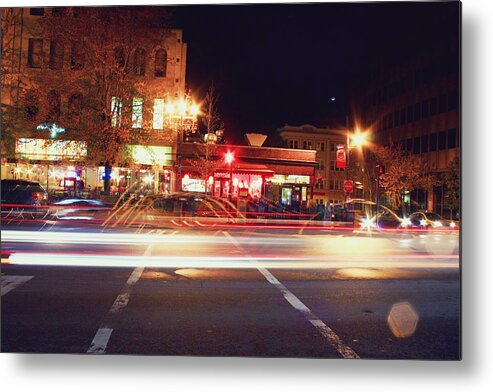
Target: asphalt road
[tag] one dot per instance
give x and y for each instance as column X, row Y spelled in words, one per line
column 236, row 292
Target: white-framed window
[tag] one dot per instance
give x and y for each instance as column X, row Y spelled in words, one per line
column 320, row 146
column 293, row 144
column 137, row 105
column 320, row 184
column 116, row 112
column 307, row 145
column 158, row 114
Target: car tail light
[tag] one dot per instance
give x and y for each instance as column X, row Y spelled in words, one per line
column 39, row 197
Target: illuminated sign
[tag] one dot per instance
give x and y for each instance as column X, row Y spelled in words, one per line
column 50, row 150
column 289, row 179
column 151, row 155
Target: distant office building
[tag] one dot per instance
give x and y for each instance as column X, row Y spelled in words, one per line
column 415, row 104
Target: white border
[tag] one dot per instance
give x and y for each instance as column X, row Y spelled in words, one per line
column 130, row 373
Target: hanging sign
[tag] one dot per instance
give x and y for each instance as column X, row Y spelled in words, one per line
column 341, row 156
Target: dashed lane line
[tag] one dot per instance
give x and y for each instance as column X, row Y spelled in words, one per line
column 103, row 335
column 325, row 331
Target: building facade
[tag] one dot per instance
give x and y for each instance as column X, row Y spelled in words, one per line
column 45, row 141
column 284, row 177
column 328, row 184
column 415, row 104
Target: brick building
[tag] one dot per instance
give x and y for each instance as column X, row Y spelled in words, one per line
column 329, row 180
column 46, row 146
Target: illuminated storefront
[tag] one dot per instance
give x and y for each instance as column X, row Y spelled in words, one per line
column 290, row 190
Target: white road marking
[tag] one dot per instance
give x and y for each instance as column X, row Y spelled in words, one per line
column 324, row 330
column 103, row 335
column 100, row 341
column 10, row 282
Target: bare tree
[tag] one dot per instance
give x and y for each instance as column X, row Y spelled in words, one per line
column 207, row 161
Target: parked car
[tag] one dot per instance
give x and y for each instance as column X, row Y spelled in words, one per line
column 22, row 192
column 430, row 220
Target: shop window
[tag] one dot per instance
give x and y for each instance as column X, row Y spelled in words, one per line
column 442, row 140
column 160, row 63
column 56, row 55
column 139, row 62
column 158, row 114
column 452, row 138
column 424, row 143
column 36, row 11
column 137, row 105
column 35, row 53
column 433, row 142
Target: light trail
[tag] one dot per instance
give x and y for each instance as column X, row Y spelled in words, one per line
column 232, row 262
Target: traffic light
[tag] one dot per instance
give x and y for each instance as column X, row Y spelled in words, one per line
column 380, row 169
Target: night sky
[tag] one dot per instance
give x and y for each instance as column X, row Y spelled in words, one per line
column 281, row 64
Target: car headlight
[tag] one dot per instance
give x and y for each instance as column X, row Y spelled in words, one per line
column 452, row 224
column 405, row 222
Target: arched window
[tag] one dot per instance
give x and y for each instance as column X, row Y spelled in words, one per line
column 139, row 61
column 119, row 57
column 160, row 63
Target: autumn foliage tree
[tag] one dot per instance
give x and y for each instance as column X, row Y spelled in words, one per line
column 452, row 185
column 101, row 73
column 403, row 172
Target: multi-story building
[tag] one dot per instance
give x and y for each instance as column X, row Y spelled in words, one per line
column 329, row 180
column 35, row 70
column 414, row 104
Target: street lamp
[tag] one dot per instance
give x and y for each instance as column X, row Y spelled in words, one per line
column 229, row 158
column 179, row 113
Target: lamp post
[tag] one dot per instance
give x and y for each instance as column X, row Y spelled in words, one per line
column 229, row 158
column 359, row 140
